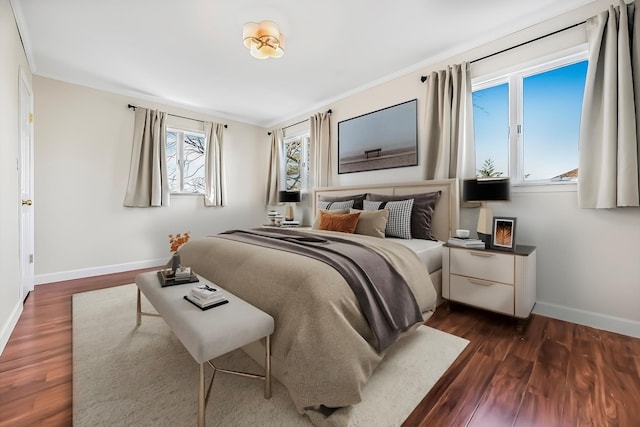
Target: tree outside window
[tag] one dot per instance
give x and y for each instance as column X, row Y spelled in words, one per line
column 526, row 123
column 185, row 161
column 296, row 162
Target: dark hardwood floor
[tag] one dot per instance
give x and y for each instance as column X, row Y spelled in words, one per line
column 555, row 374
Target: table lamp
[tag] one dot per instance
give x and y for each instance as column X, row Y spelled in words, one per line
column 485, row 190
column 288, row 197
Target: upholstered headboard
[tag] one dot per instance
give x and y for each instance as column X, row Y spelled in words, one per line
column 447, row 214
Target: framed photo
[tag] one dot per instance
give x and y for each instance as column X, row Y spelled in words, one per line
column 504, row 234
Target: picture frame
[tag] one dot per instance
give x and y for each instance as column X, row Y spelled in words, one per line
column 503, row 236
column 382, row 139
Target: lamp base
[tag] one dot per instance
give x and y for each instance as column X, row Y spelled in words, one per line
column 485, row 219
column 486, row 238
column 288, row 212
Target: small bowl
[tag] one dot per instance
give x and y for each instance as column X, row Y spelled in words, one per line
column 463, row 234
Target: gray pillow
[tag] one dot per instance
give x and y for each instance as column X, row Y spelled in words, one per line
column 424, row 206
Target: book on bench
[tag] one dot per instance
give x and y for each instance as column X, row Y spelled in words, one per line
column 206, row 306
column 205, row 296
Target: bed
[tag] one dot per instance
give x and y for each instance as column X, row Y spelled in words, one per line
column 322, row 348
column 444, row 222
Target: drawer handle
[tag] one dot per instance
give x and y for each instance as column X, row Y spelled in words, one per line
column 482, row 254
column 479, row 282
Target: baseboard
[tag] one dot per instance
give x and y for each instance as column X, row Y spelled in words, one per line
column 588, row 318
column 41, row 279
column 11, row 323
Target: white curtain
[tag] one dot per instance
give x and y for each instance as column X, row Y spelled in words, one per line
column 148, row 183
column 320, row 147
column 449, row 124
column 609, row 155
column 273, row 180
column 215, row 191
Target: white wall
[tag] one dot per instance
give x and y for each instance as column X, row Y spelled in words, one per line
column 588, row 270
column 82, row 154
column 12, row 59
column 588, row 259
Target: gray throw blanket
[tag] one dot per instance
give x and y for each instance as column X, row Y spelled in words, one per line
column 385, row 298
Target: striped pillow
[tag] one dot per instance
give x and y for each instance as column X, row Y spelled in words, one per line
column 332, row 206
column 399, row 222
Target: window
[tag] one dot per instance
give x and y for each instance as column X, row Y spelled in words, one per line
column 296, row 162
column 527, row 122
column 185, row 161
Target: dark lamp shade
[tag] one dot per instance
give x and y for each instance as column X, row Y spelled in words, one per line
column 289, row 196
column 486, row 189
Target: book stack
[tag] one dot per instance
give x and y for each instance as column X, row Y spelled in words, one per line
column 466, row 242
column 205, row 296
column 182, row 274
column 290, row 223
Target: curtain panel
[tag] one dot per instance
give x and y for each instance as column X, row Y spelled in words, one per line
column 148, row 184
column 215, row 191
column 320, row 145
column 273, row 179
column 609, row 155
column 449, row 124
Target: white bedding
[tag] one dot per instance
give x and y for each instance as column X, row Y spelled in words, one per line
column 428, row 251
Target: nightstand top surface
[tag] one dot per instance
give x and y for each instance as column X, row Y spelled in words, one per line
column 523, row 250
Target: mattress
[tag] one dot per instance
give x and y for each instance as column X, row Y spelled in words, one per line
column 429, row 251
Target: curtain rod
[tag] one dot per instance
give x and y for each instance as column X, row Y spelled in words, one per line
column 301, row 121
column 424, row 78
column 133, row 107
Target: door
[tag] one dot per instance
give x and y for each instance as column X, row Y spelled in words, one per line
column 25, row 164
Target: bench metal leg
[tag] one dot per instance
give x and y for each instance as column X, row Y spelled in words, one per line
column 267, row 368
column 139, row 312
column 138, row 309
column 203, row 394
column 201, row 397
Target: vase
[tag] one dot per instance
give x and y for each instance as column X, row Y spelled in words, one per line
column 175, row 262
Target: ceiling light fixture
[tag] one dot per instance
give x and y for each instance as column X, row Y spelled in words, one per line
column 264, row 40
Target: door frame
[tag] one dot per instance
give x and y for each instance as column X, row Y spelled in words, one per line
column 25, row 160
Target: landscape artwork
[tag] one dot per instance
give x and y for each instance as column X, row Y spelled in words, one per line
column 382, row 139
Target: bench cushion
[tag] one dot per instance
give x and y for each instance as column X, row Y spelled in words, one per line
column 205, row 334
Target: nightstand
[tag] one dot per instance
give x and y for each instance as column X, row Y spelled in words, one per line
column 503, row 282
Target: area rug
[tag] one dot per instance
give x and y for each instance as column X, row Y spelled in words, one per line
column 125, row 375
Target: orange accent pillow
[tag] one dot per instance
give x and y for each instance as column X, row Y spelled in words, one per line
column 345, row 223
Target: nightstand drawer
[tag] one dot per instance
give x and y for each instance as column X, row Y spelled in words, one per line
column 483, row 265
column 482, row 293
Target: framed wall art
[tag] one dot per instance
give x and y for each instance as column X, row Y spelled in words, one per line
column 382, row 139
column 504, row 234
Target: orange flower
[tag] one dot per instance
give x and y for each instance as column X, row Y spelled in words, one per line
column 175, row 242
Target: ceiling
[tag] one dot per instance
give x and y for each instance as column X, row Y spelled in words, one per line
column 189, row 53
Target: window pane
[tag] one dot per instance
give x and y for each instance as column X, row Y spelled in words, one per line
column 552, row 105
column 172, row 160
column 193, row 163
column 293, row 166
column 491, row 130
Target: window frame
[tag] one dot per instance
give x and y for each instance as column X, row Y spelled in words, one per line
column 180, row 135
column 514, row 76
